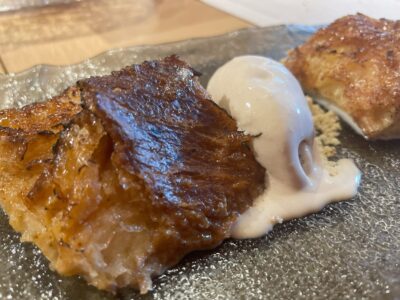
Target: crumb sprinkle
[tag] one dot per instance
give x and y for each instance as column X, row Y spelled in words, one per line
column 327, row 127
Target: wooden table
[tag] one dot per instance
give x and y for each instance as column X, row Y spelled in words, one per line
column 66, row 34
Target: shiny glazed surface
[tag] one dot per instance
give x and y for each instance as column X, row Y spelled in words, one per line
column 149, row 170
column 349, row 249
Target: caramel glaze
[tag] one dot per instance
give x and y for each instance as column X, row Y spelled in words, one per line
column 150, row 170
column 166, row 129
column 37, row 126
column 42, row 117
column 354, row 63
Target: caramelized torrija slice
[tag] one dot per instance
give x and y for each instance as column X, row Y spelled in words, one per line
column 150, row 170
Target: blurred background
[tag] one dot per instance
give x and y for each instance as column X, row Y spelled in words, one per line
column 69, row 31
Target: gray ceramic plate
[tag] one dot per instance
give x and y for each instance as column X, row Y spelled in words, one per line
column 349, row 250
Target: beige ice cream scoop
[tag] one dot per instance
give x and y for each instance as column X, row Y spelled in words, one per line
column 267, row 101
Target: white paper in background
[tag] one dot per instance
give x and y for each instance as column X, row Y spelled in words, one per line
column 274, row 12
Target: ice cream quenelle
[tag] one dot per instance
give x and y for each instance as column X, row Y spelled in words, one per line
column 267, row 101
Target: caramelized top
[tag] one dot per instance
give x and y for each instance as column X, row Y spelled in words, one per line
column 146, row 171
column 42, row 117
column 365, row 38
column 355, row 62
column 166, row 129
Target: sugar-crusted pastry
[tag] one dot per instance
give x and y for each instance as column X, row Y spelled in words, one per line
column 121, row 177
column 354, row 64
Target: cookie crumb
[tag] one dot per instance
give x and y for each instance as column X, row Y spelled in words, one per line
column 328, row 129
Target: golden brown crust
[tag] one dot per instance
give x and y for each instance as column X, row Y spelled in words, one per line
column 41, row 117
column 354, row 63
column 149, row 170
column 27, row 138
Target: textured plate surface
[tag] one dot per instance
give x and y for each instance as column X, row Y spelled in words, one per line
column 349, row 250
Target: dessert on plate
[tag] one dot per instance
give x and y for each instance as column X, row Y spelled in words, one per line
column 267, row 101
column 121, row 176
column 352, row 66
